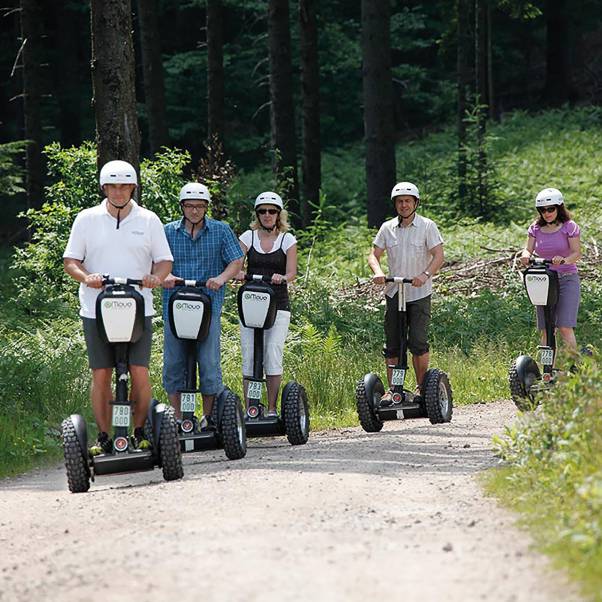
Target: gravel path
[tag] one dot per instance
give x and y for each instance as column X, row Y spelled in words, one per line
column 397, row 515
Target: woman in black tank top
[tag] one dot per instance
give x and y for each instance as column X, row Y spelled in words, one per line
column 270, row 251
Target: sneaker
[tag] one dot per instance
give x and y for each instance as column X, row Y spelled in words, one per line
column 140, row 441
column 272, row 414
column 103, row 445
column 386, row 400
column 207, row 424
column 417, row 395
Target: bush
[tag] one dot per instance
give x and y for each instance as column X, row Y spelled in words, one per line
column 554, row 473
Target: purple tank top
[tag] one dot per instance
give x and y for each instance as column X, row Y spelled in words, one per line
column 548, row 245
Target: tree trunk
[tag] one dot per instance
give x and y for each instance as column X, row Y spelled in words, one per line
column 68, row 88
column 215, row 71
column 282, row 114
column 490, row 95
column 481, row 89
column 113, row 82
column 310, row 86
column 378, row 108
column 31, row 29
column 557, row 86
column 152, row 68
column 463, row 78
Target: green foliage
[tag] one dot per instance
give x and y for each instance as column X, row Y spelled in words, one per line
column 529, row 152
column 12, row 175
column 43, row 379
column 554, row 473
column 161, row 179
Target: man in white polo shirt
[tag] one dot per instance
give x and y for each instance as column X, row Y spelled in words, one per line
column 414, row 250
column 119, row 238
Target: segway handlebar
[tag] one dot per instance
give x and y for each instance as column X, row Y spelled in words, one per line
column 106, row 279
column 258, row 278
column 398, row 280
column 193, row 283
column 541, row 261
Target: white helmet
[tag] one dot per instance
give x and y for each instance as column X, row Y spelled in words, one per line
column 405, row 188
column 549, row 196
column 269, row 198
column 195, row 191
column 118, row 172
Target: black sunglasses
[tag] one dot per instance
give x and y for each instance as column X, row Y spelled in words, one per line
column 549, row 209
column 270, row 211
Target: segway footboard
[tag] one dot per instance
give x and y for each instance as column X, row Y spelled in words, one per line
column 262, row 426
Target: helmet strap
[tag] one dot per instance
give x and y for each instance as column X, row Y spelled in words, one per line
column 193, row 224
column 119, row 208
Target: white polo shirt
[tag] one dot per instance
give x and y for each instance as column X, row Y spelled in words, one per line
column 129, row 251
column 409, row 252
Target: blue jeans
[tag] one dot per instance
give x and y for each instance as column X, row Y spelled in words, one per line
column 208, row 360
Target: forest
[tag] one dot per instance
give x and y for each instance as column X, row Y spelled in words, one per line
column 304, row 78
column 480, row 103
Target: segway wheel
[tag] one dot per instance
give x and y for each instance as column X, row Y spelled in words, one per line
column 169, row 446
column 76, row 463
column 295, row 413
column 522, row 399
column 368, row 392
column 438, row 397
column 232, row 428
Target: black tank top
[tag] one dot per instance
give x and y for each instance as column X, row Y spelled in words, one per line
column 267, row 264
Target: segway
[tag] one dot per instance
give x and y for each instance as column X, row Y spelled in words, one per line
column 189, row 314
column 525, row 378
column 435, row 399
column 120, row 320
column 257, row 310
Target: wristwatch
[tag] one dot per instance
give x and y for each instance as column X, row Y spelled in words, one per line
column 428, row 274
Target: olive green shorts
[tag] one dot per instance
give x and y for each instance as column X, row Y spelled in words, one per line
column 100, row 354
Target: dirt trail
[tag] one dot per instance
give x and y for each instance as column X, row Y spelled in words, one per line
column 397, row 515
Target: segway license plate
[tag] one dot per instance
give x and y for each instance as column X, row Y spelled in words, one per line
column 546, row 356
column 188, row 401
column 398, row 377
column 254, row 391
column 121, row 415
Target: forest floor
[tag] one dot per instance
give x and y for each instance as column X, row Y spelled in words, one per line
column 395, row 515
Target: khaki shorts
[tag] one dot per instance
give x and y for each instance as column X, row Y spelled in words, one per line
column 418, row 318
column 100, row 354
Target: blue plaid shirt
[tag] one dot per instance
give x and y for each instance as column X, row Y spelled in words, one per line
column 214, row 247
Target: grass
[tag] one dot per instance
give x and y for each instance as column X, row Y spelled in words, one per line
column 552, row 475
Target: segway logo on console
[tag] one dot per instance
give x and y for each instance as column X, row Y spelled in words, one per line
column 182, row 305
column 249, row 296
column 534, row 278
column 115, row 304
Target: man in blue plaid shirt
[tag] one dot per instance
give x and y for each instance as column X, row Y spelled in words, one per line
column 203, row 249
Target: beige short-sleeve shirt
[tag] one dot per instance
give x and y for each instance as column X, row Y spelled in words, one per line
column 409, row 252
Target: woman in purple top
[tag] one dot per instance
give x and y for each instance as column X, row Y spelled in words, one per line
column 554, row 235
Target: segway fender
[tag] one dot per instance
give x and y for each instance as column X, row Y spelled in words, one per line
column 372, row 382
column 81, row 432
column 526, row 369
column 219, row 406
column 157, row 418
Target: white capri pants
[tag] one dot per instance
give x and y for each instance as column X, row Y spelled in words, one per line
column 273, row 346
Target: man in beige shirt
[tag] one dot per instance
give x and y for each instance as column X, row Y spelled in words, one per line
column 414, row 250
